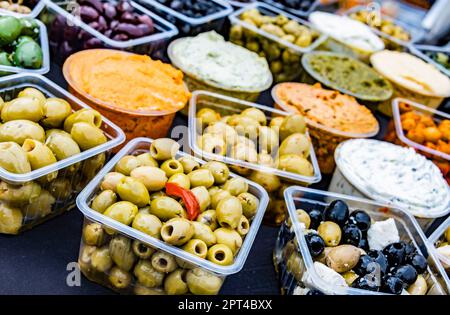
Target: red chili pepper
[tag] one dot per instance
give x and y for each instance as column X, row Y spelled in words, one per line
column 191, row 203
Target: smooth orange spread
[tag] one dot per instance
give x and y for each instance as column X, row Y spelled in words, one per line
column 129, row 81
column 327, row 107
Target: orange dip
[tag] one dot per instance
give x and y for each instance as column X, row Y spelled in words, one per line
column 127, row 81
column 326, row 107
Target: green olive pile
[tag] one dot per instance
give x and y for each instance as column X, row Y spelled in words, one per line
column 36, row 132
column 18, row 45
column 440, row 57
column 136, row 194
column 284, row 62
column 20, row 6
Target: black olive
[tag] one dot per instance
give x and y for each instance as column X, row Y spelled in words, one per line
column 316, row 217
column 315, row 244
column 395, row 253
column 351, row 234
column 406, row 273
column 365, row 265
column 364, row 244
column 361, row 219
column 337, row 212
column 392, row 284
column 410, row 249
column 380, row 259
column 314, row 292
column 418, row 262
column 365, row 284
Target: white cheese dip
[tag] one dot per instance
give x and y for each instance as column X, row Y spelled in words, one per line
column 209, row 58
column 396, row 175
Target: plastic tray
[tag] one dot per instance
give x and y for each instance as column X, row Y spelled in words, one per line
column 189, row 25
column 435, row 237
column 34, row 12
column 140, row 145
column 67, row 168
column 299, row 197
column 43, row 42
column 153, row 45
column 313, row 6
column 421, row 49
column 296, row 68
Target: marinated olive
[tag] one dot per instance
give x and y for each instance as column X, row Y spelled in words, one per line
column 229, row 237
column 20, row 130
column 10, row 219
column 127, row 164
column 203, row 232
column 268, row 181
column 229, row 212
column 122, row 211
column 13, row 158
column 196, row 247
column 236, row 186
column 220, row 254
column 189, row 164
column 201, row 282
column 265, row 159
column 163, row 149
column 276, row 122
column 93, row 234
column 219, row 171
column 163, row 262
column 330, row 232
column 177, row 231
column 245, row 126
column 132, row 190
column 38, row 154
column 93, row 165
column 40, row 206
column 147, row 275
column 148, row 224
column 87, row 136
column 243, row 226
column 256, row 114
column 26, row 108
column 60, row 188
column 145, row 159
column 181, row 179
column 201, row 177
column 141, row 250
column 202, row 196
column 153, row 178
column 89, row 116
column 32, row 92
column 219, row 196
column 61, row 144
column 85, row 257
column 171, row 167
column 175, row 283
column 19, row 195
column 303, row 218
column 121, row 252
column 111, row 180
column 166, row 208
column 101, row 260
column 296, row 143
column 56, row 110
column 119, row 278
column 249, row 204
column 295, row 164
column 209, row 218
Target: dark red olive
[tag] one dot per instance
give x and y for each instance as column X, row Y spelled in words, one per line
column 129, row 29
column 113, row 24
column 109, row 11
column 102, row 24
column 120, row 37
column 84, row 36
column 145, row 19
column 108, row 33
column 94, row 25
column 65, row 50
column 96, row 4
column 88, row 14
column 70, row 33
column 145, row 29
column 124, row 6
column 59, row 21
column 128, row 17
column 93, row 43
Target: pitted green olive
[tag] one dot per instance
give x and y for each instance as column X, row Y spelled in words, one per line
column 87, row 136
column 249, row 204
column 13, row 158
column 121, row 252
column 245, row 126
column 148, row 224
column 19, row 130
column 268, row 181
column 296, row 143
column 93, row 234
column 229, row 212
column 89, row 116
column 184, row 263
column 214, row 189
column 295, row 164
column 122, row 211
column 256, row 114
column 219, row 196
column 221, row 129
column 265, row 159
column 244, row 141
column 236, row 186
column 153, row 178
column 141, row 250
column 166, row 208
column 147, row 275
column 268, row 139
column 56, row 110
column 61, row 144
column 189, row 164
column 202, row 282
column 38, row 154
column 132, row 190
column 209, row 218
column 101, row 260
column 229, row 237
column 19, row 195
column 111, row 180
column 202, row 196
column 220, row 254
column 119, row 278
column 127, row 164
column 203, row 232
column 292, row 124
column 201, row 177
column 243, row 226
column 32, row 92
column 196, row 247
column 181, row 180
column 276, row 122
column 93, row 165
column 163, row 262
column 302, row 218
column 177, row 231
column 171, row 167
column 10, row 219
column 219, row 170
column 140, row 289
column 60, row 188
column 212, row 143
column 207, row 116
column 26, row 108
column 330, row 232
column 40, row 206
column 145, row 159
column 175, row 283
column 85, row 257
column 245, row 153
column 157, row 195
column 164, row 149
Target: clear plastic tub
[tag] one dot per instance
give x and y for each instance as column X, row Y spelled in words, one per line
column 304, row 13
column 73, row 173
column 184, row 259
column 68, row 34
column 421, row 51
column 189, row 26
column 293, row 260
column 226, row 105
column 43, row 42
column 290, row 70
column 35, row 10
column 436, row 238
column 239, row 4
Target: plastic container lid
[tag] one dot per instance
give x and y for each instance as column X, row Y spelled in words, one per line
column 86, row 195
column 421, row 52
column 404, row 221
column 271, row 10
column 435, row 236
column 43, row 42
column 228, row 160
column 435, row 114
column 34, row 12
column 114, row 133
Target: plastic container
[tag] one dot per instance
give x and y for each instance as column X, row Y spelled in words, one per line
column 190, row 261
column 325, row 139
column 226, row 105
column 435, row 238
column 303, row 13
column 74, row 172
column 293, row 69
column 239, row 4
column 64, row 27
column 43, row 42
column 189, row 26
column 421, row 51
column 155, row 124
column 293, row 260
column 35, row 10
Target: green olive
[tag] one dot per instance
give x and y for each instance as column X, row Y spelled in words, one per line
column 26, row 108
column 196, row 247
column 330, row 232
column 157, row 195
column 219, row 171
column 19, row 130
column 219, row 196
column 209, row 218
column 89, row 116
column 132, row 190
column 292, row 124
column 181, row 179
column 189, row 164
column 38, row 154
column 103, row 200
column 249, row 204
column 245, row 126
column 229, row 237
column 93, row 234
column 256, row 114
column 140, row 289
column 296, row 266
column 268, row 139
column 419, row 287
column 177, row 231
column 19, row 195
column 243, row 226
column 244, row 152
column 61, row 144
column 240, row 170
column 10, row 219
column 119, row 278
column 214, row 189
column 350, row 277
column 201, row 177
column 268, row 181
column 148, row 224
column 163, row 262
column 302, row 218
column 56, row 110
column 202, row 196
column 93, row 165
column 295, row 164
column 84, row 259
column 40, row 206
column 87, row 136
column 127, row 164
column 265, row 159
column 236, row 186
column 121, row 252
column 111, row 181
column 212, row 143
column 122, row 211
column 241, row 140
column 296, row 143
column 32, row 92
column 101, row 260
column 147, row 275
column 60, row 188
column 13, row 158
column 203, row 232
column 202, row 282
column 164, row 149
column 166, row 208
column 229, row 212
column 175, row 283
column 171, row 167
column 224, row 131
column 153, row 178
column 207, row 116
column 276, row 122
column 145, row 159
column 141, row 250
column 220, row 254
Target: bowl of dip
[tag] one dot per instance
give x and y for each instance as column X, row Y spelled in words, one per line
column 346, row 35
column 412, row 78
column 331, row 117
column 391, row 174
column 139, row 94
column 213, row 64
